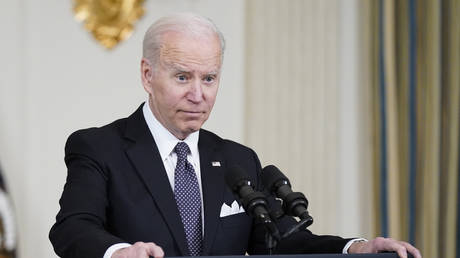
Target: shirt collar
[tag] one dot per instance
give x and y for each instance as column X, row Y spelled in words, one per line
column 164, row 139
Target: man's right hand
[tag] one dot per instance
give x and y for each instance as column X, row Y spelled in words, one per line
column 140, row 250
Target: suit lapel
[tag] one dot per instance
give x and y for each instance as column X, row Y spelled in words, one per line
column 212, row 180
column 144, row 155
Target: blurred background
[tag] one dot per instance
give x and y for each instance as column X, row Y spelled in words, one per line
column 356, row 101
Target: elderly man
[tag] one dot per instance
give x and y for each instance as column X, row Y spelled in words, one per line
column 153, row 184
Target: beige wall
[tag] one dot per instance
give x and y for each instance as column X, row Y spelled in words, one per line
column 305, row 110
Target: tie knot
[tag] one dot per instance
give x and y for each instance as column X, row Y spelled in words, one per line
column 182, row 150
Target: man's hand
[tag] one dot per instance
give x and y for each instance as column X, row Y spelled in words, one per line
column 140, row 250
column 381, row 244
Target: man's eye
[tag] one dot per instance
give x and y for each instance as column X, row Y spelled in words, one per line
column 209, row 78
column 181, row 77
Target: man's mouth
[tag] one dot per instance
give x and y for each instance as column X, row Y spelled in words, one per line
column 192, row 113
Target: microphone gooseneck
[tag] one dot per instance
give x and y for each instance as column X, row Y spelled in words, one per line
column 254, row 203
column 294, row 203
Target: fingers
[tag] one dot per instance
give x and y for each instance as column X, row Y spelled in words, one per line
column 411, row 249
column 393, row 245
column 140, row 250
column 378, row 244
column 148, row 249
column 155, row 251
column 401, row 248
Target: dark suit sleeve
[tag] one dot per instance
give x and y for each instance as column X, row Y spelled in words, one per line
column 79, row 230
column 302, row 242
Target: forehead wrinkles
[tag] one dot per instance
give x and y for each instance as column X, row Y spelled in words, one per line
column 170, row 55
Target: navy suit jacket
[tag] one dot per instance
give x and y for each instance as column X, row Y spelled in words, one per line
column 117, row 191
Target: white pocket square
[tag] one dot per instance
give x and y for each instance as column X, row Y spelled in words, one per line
column 227, row 210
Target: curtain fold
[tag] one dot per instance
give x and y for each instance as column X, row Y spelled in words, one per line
column 293, row 104
column 292, row 96
column 416, row 119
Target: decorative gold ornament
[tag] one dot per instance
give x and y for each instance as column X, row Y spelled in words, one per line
column 110, row 21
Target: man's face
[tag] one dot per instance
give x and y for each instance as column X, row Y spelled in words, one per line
column 183, row 85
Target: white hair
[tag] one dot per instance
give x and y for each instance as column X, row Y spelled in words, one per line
column 189, row 23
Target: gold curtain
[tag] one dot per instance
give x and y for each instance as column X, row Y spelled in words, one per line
column 415, row 60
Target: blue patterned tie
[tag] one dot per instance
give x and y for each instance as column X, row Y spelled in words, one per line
column 188, row 200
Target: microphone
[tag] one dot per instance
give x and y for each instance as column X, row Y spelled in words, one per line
column 254, row 203
column 294, row 203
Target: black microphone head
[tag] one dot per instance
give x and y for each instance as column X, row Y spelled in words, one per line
column 234, row 176
column 272, row 175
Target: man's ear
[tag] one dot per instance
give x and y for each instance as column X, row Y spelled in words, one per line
column 146, row 74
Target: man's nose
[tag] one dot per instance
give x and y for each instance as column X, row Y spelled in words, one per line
column 196, row 91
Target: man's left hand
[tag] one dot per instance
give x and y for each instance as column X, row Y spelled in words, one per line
column 381, row 244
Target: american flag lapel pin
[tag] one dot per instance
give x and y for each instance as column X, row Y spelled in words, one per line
column 215, row 164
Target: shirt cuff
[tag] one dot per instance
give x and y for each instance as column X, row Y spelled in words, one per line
column 345, row 249
column 112, row 249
